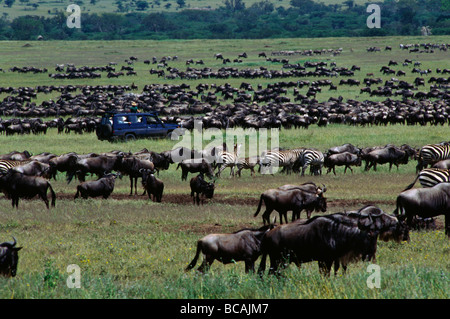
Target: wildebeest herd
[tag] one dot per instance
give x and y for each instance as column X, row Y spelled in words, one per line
column 282, row 104
column 338, row 238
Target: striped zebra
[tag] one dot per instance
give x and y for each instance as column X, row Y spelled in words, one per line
column 431, row 154
column 312, row 158
column 280, row 158
column 429, row 177
column 5, row 165
column 226, row 159
column 247, row 163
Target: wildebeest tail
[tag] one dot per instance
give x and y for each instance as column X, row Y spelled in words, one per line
column 197, row 254
column 412, row 184
column 259, row 206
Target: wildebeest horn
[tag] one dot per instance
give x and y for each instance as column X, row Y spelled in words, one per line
column 324, row 188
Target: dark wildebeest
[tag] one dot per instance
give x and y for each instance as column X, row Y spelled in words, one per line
column 200, row 187
column 154, row 186
column 306, row 187
column 327, row 239
column 389, row 227
column 16, row 156
column 195, row 166
column 62, row 163
column 16, row 185
column 99, row 165
column 293, row 199
column 9, row 258
column 391, row 155
column 242, row 245
column 346, row 159
column 132, row 166
column 344, row 148
column 104, row 186
column 425, row 202
column 34, row 168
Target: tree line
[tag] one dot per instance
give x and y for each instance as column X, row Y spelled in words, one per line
column 234, row 20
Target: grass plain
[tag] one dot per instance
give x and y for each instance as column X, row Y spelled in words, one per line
column 130, row 247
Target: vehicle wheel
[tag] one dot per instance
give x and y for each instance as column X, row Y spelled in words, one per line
column 129, row 137
column 104, row 131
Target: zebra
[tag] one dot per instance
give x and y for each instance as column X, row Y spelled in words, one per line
column 312, row 158
column 5, row 165
column 429, row 177
column 227, row 159
column 431, row 154
column 280, row 158
column 247, row 163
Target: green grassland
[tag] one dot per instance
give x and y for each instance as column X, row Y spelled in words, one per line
column 130, row 247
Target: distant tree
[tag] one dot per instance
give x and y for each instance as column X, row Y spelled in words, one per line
column 93, row 2
column 234, row 5
column 142, row 5
column 181, row 3
column 167, row 5
column 9, row 3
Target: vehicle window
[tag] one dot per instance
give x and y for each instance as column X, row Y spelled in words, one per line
column 140, row 119
column 151, row 120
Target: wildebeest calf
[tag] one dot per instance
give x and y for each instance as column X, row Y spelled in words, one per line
column 104, row 186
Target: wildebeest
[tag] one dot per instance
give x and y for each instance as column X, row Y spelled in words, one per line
column 341, row 159
column 425, row 202
column 390, row 154
column 344, row 148
column 195, row 166
column 62, row 163
column 132, row 166
column 292, row 199
column 242, row 245
column 154, row 186
column 327, row 239
column 9, row 258
column 200, row 187
column 104, row 186
column 16, row 185
column 34, row 168
column 99, row 165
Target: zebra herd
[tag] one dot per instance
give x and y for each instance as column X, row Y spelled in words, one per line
column 437, row 155
column 269, row 162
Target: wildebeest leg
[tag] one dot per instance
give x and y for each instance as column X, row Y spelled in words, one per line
column 262, row 265
column 308, row 214
column 266, row 216
column 249, row 266
column 281, row 213
column 325, row 267
column 131, row 186
column 295, row 214
column 206, row 264
column 447, row 225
